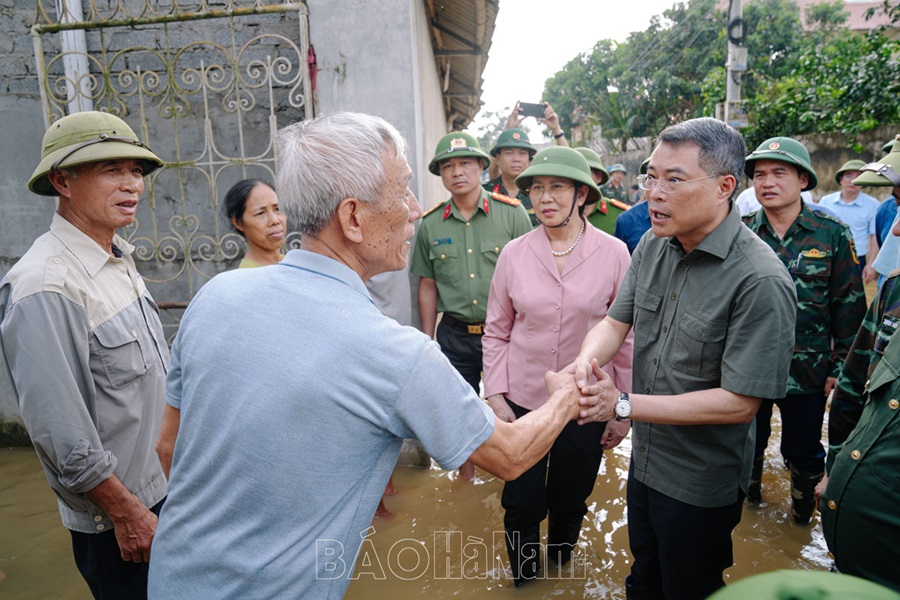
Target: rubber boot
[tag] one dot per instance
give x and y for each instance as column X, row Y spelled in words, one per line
column 803, row 493
column 561, row 540
column 524, row 548
column 754, row 492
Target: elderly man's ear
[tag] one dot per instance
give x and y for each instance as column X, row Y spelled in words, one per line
column 350, row 218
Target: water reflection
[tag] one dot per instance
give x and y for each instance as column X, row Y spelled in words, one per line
column 445, row 540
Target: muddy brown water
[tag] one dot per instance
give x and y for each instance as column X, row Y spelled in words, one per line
column 444, row 540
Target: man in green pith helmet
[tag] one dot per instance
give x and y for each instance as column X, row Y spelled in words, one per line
column 605, row 211
column 858, row 506
column 456, row 250
column 817, row 250
column 82, row 341
column 512, row 153
column 615, row 187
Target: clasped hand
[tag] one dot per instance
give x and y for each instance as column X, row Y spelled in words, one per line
column 590, row 390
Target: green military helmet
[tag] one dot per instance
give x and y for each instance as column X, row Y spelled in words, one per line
column 594, row 162
column 884, row 173
column 803, row 585
column 514, row 138
column 560, row 161
column 457, row 143
column 890, row 145
column 850, row 165
column 87, row 137
column 786, row 150
column 644, row 165
column 617, row 167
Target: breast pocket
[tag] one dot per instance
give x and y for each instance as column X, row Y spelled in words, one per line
column 646, row 307
column 444, row 259
column 811, row 277
column 121, row 354
column 490, row 251
column 699, row 346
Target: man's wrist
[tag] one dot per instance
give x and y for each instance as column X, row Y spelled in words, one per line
column 561, row 133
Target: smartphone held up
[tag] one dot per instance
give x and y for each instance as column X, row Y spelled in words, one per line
column 528, row 109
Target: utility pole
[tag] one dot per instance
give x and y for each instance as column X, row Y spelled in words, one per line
column 735, row 65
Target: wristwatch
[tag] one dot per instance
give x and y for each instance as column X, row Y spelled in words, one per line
column 623, row 407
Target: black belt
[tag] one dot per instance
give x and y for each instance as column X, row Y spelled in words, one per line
column 473, row 328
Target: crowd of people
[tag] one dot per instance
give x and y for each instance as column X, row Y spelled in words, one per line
column 678, row 321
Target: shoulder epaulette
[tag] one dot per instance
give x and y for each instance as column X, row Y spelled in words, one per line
column 506, row 199
column 432, row 209
column 618, row 203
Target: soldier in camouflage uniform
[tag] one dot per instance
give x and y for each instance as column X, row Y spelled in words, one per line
column 859, row 504
column 603, row 213
column 817, row 250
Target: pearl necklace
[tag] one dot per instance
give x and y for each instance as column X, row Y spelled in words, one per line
column 572, row 247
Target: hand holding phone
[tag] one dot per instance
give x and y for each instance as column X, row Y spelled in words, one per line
column 528, row 109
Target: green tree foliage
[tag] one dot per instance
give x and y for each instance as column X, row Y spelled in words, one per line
column 823, row 78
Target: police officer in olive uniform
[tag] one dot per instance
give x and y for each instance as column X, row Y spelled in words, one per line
column 604, row 213
column 817, row 250
column 859, row 505
column 456, row 250
column 615, row 188
column 513, row 153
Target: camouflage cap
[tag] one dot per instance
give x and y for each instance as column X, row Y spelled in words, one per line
column 883, row 173
column 594, row 162
column 617, row 167
column 786, row 150
column 514, row 138
column 560, row 161
column 457, row 143
column 87, row 137
column 850, row 165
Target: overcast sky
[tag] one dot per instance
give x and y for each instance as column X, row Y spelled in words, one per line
column 534, row 39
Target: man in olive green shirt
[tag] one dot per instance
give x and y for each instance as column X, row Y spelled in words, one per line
column 456, row 250
column 713, row 311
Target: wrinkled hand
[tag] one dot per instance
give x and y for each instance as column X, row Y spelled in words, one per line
column 501, row 409
column 614, row 433
column 597, row 399
column 564, row 381
column 869, row 274
column 514, row 120
column 820, row 489
column 830, row 382
column 135, row 532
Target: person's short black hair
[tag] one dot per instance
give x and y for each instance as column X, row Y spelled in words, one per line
column 236, row 200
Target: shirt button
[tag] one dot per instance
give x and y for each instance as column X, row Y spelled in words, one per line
column 469, row 251
column 894, row 404
column 654, row 361
column 134, row 333
column 832, row 504
column 552, row 350
column 471, row 275
column 555, row 328
column 101, row 527
column 665, row 328
column 496, row 249
column 856, row 455
column 98, row 518
column 468, row 224
column 674, row 295
column 56, row 260
column 443, row 256
column 556, row 306
column 475, row 302
column 646, row 390
column 681, row 264
column 643, row 449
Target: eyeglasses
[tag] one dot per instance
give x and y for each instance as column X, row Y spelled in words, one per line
column 646, row 182
column 555, row 191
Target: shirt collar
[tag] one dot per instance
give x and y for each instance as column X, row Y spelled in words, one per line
column 718, row 241
column 327, row 267
column 484, row 205
column 89, row 253
column 805, row 219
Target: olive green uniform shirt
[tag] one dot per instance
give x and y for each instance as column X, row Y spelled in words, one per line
column 859, row 507
column 496, row 186
column 817, row 250
column 605, row 213
column 721, row 316
column 619, row 193
column 461, row 255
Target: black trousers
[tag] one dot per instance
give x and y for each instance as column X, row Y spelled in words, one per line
column 99, row 561
column 559, row 483
column 679, row 550
column 463, row 350
column 801, row 430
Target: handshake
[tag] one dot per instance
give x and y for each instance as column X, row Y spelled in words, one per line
column 586, row 391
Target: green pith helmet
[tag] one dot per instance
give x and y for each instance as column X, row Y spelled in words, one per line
column 514, row 138
column 617, row 167
column 559, row 161
column 884, row 173
column 786, row 150
column 803, row 585
column 644, row 165
column 87, row 137
column 850, row 165
column 457, row 143
column 890, row 145
column 594, row 162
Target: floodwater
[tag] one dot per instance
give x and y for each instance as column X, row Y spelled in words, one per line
column 445, row 539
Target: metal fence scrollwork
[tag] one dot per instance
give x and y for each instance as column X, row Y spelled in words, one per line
column 207, row 85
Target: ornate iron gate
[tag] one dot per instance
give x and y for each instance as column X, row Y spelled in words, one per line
column 206, row 85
